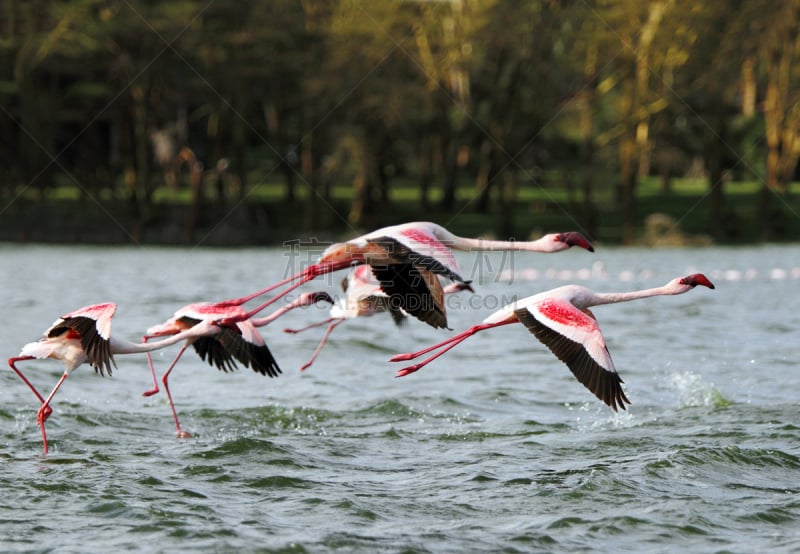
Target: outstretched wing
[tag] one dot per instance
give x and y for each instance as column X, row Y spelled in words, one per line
column 410, row 279
column 93, row 325
column 226, row 347
column 417, row 292
column 390, row 250
column 209, row 348
column 575, row 338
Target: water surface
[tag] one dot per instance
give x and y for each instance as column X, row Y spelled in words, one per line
column 494, row 447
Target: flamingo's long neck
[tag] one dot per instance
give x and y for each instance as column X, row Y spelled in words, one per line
column 600, row 298
column 122, row 346
column 262, row 321
column 463, row 243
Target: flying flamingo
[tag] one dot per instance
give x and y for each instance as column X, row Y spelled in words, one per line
column 560, row 318
column 222, row 346
column 407, row 258
column 363, row 298
column 84, row 336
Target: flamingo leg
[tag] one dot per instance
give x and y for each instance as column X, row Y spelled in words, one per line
column 45, row 410
column 328, row 331
column 310, row 273
column 228, row 321
column 444, row 346
column 12, row 362
column 181, row 433
column 307, row 327
column 154, row 390
column 243, row 299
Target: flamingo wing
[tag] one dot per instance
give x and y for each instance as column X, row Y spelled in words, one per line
column 210, row 348
column 423, row 237
column 410, row 279
column 94, row 344
column 101, row 314
column 246, row 345
column 575, row 339
column 225, row 348
column 415, row 291
column 380, row 303
column 390, row 250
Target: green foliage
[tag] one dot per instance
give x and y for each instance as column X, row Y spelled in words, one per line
column 324, row 113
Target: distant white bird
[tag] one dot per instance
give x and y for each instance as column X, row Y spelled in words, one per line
column 363, row 298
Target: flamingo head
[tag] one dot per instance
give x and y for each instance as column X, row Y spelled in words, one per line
column 310, row 298
column 340, row 253
column 171, row 327
column 696, row 279
column 570, row 239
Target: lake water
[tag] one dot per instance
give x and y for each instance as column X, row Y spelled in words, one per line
column 493, row 447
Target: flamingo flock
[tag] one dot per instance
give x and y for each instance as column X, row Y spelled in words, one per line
column 404, row 270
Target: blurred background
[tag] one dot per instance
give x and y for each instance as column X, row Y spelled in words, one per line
column 215, row 123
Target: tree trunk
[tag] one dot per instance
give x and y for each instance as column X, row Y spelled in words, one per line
column 628, row 182
column 508, row 201
column 486, row 175
column 714, row 147
column 287, row 158
column 587, row 149
column 311, row 176
column 362, row 185
column 141, row 192
column 634, row 144
column 627, row 167
column 450, row 176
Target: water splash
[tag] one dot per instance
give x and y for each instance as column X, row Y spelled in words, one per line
column 694, row 391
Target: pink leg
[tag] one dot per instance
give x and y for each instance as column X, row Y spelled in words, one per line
column 445, row 345
column 307, row 327
column 304, row 277
column 181, row 433
column 228, row 321
column 328, row 331
column 44, row 410
column 243, row 299
column 154, row 390
column 12, row 362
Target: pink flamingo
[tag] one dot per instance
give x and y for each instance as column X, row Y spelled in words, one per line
column 363, row 298
column 407, row 258
column 560, row 318
column 222, row 346
column 84, row 336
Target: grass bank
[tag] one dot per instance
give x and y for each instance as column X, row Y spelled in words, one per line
column 66, row 215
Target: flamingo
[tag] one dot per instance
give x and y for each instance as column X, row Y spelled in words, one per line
column 407, row 258
column 222, row 346
column 560, row 318
column 363, row 298
column 84, row 336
